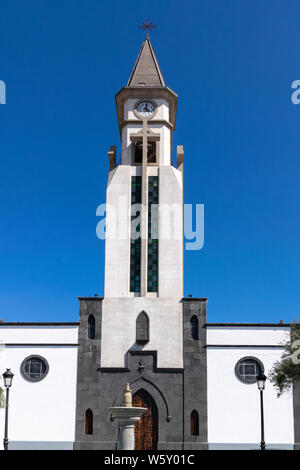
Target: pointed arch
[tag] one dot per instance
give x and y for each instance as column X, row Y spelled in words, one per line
column 91, row 327
column 194, row 328
column 142, row 328
column 153, row 390
column 88, row 422
column 194, row 423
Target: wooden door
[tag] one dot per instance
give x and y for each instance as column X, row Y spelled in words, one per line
column 145, row 432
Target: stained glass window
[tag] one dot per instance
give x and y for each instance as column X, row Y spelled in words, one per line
column 152, row 234
column 248, row 368
column 34, row 368
column 135, row 244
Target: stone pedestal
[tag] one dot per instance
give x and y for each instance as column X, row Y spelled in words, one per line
column 127, row 417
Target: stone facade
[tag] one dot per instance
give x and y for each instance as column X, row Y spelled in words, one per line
column 176, row 391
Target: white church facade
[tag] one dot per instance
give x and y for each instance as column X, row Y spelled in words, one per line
column 196, row 379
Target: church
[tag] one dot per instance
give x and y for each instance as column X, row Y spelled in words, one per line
column 196, row 379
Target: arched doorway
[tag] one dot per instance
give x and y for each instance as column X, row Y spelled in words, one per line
column 145, row 432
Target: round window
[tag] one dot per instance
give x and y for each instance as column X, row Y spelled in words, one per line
column 248, row 368
column 34, row 368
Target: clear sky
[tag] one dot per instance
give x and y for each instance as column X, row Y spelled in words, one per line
column 232, row 63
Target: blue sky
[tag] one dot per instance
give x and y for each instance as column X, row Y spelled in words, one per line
column 232, row 64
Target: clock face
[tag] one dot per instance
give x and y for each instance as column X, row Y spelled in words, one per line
column 145, row 108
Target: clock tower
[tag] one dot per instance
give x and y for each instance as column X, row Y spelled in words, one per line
column 140, row 331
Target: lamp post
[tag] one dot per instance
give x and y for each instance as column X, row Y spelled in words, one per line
column 261, row 382
column 7, row 379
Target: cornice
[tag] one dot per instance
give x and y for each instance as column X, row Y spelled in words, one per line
column 97, row 299
column 7, row 323
column 140, row 122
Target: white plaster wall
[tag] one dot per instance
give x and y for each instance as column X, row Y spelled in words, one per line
column 165, row 316
column 242, row 335
column 171, row 250
column 117, row 244
column 234, row 407
column 42, row 411
column 39, row 334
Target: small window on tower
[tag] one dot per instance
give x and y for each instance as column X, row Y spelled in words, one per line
column 194, row 328
column 88, row 424
column 194, row 423
column 91, row 327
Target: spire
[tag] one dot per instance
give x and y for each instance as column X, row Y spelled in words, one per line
column 146, row 72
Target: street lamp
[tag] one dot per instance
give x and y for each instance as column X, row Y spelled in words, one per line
column 261, row 382
column 7, row 379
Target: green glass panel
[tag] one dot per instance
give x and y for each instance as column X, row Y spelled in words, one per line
column 152, row 229
column 135, row 245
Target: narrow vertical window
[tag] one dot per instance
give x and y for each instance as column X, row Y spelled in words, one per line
column 142, row 328
column 88, row 425
column 91, row 327
column 194, row 328
column 194, row 423
column 152, row 279
column 135, row 243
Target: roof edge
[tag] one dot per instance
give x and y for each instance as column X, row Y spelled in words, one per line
column 276, row 325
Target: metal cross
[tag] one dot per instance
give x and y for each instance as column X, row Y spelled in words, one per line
column 147, row 26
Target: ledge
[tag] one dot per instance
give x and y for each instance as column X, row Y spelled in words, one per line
column 10, row 323
column 248, row 346
column 91, row 298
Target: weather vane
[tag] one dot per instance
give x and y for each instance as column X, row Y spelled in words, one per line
column 147, row 26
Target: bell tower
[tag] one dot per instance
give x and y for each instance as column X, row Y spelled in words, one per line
column 144, row 221
column 150, row 265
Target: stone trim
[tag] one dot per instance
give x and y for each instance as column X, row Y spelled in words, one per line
column 143, row 353
column 32, row 379
column 147, row 118
column 8, row 323
column 238, row 375
column 139, row 121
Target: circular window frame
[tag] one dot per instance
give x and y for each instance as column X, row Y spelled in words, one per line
column 247, row 358
column 30, row 379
